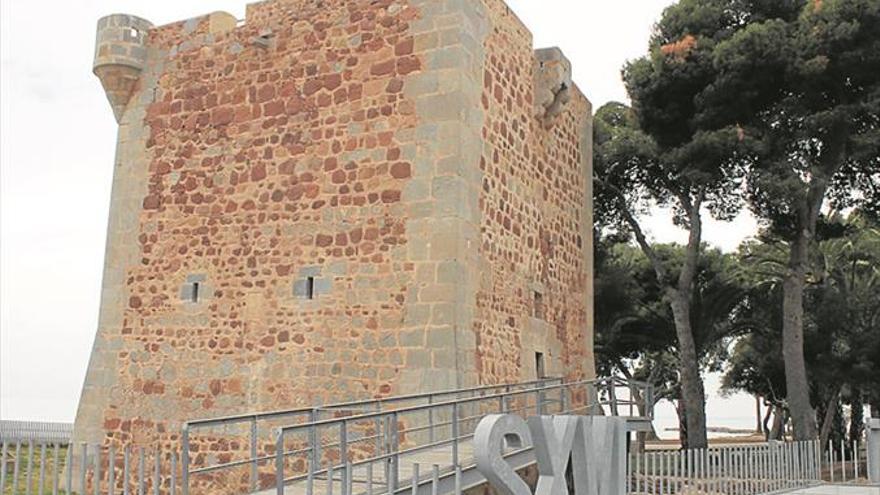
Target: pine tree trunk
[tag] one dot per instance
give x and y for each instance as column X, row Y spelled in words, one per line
column 758, row 423
column 802, row 415
column 692, row 393
column 777, row 431
column 682, row 423
column 828, row 422
column 766, row 427
column 857, row 417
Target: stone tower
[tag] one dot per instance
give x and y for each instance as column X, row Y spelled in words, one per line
column 336, row 199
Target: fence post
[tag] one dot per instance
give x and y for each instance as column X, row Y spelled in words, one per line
column 42, row 468
column 55, row 470
column 15, row 467
column 157, row 470
column 30, row 468
column 96, row 476
column 173, row 488
column 142, row 468
column 111, row 468
column 855, row 451
column 3, row 450
column 831, row 460
column 126, row 472
column 184, row 460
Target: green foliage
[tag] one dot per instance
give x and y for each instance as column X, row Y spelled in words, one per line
column 635, row 332
column 807, row 92
column 842, row 329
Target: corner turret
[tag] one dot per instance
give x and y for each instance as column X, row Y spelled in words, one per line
column 553, row 84
column 120, row 56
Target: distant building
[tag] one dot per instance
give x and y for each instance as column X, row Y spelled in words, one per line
column 35, row 431
column 336, row 200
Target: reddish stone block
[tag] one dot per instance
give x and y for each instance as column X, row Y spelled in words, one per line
column 404, row 47
column 151, row 202
column 383, row 68
column 390, row 196
column 405, row 65
column 401, row 170
column 312, row 86
column 322, row 240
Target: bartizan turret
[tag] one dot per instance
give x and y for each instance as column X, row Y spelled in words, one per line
column 120, row 56
column 553, row 84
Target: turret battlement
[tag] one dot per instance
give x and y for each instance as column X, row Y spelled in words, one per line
column 120, row 56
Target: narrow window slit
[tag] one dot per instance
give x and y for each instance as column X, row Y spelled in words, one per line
column 310, row 288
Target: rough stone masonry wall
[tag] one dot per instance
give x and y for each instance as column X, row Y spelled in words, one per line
column 388, row 150
column 536, row 226
column 247, row 170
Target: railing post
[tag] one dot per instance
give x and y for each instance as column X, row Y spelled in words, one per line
column 253, row 454
column 431, row 418
column 563, row 402
column 111, row 470
column 279, row 463
column 315, row 437
column 184, row 460
column 455, row 434
column 343, row 452
column 414, row 488
column 612, row 396
column 395, row 459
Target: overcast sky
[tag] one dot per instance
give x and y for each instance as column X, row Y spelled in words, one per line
column 57, row 139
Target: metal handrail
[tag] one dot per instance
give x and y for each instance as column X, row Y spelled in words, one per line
column 312, row 413
column 392, row 429
column 339, row 405
column 383, row 410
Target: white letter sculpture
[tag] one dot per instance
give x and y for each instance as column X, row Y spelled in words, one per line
column 489, row 439
column 599, row 456
column 552, row 438
column 596, row 446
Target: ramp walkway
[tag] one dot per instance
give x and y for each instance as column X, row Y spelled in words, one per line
column 418, row 444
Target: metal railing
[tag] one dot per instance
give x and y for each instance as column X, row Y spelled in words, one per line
column 255, row 426
column 318, row 452
column 845, row 462
column 733, row 470
column 392, row 432
column 40, row 467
